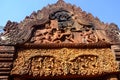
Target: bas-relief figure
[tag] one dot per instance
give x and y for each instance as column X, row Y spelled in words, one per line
column 60, row 41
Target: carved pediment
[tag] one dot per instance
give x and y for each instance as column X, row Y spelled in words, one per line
column 64, row 27
column 59, row 23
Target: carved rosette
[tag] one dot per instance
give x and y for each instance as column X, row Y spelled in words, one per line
column 64, row 61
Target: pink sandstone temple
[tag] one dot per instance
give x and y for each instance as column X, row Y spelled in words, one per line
column 60, row 42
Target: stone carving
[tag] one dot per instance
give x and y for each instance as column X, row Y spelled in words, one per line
column 63, row 17
column 54, row 62
column 113, row 33
column 42, row 66
column 14, row 35
column 57, row 23
column 5, row 64
column 63, row 28
column 49, row 66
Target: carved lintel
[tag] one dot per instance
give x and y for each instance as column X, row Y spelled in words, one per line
column 56, row 62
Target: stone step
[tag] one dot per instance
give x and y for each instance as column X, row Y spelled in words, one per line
column 117, row 50
column 4, row 72
column 6, row 55
column 117, row 53
column 7, row 49
column 3, row 77
column 5, row 69
column 6, row 59
column 118, row 58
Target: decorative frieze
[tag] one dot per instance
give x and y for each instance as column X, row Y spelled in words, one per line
column 64, row 61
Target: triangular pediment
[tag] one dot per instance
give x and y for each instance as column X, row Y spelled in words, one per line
column 60, row 23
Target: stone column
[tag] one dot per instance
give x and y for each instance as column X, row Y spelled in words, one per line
column 6, row 61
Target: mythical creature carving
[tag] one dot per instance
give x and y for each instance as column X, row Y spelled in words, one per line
column 64, row 27
column 63, row 17
column 14, row 35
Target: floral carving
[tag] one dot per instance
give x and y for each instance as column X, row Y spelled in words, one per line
column 49, row 62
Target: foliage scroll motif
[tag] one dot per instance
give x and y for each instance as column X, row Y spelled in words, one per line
column 49, row 62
